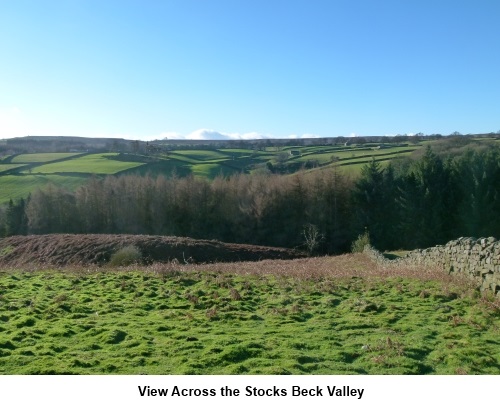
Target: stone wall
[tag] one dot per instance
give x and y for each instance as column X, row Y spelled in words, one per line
column 478, row 259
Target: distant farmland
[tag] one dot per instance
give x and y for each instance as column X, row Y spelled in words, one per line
column 23, row 173
column 100, row 163
column 41, row 157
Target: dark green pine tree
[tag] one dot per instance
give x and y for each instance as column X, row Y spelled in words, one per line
column 479, row 184
column 374, row 205
column 434, row 200
column 389, row 211
column 16, row 220
column 409, row 205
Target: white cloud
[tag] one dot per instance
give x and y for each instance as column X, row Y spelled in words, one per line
column 14, row 124
column 210, row 134
column 252, row 135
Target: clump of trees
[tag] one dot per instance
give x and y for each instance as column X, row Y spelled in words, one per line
column 431, row 200
column 258, row 209
column 404, row 205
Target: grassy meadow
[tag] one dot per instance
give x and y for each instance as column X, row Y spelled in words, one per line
column 330, row 315
column 99, row 163
column 41, row 157
column 8, row 166
column 17, row 186
column 23, row 174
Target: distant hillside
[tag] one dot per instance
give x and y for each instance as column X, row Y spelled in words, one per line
column 32, row 162
column 39, row 144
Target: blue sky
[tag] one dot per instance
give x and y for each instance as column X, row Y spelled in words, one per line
column 248, row 69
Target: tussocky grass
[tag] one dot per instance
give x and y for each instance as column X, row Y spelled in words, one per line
column 330, row 315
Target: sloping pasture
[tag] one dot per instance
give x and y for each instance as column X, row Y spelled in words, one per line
column 98, row 163
column 17, row 186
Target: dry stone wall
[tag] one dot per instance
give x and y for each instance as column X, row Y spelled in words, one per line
column 478, row 259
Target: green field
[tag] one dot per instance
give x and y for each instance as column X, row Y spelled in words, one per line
column 316, row 316
column 14, row 187
column 166, row 167
column 8, row 166
column 204, row 163
column 212, row 170
column 69, row 173
column 242, row 153
column 203, row 155
column 99, row 163
column 41, row 157
column 323, row 158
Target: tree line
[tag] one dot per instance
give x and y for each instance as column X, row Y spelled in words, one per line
column 404, row 205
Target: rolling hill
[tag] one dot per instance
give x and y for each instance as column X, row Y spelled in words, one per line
column 21, row 174
column 68, row 161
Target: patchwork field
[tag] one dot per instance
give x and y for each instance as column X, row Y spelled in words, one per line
column 24, row 173
column 331, row 315
column 41, row 157
column 99, row 163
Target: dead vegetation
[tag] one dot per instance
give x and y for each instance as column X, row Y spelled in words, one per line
column 60, row 250
column 166, row 255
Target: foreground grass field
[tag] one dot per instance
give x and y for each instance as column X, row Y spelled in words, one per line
column 334, row 315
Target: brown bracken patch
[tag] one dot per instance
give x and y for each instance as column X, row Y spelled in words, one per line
column 93, row 249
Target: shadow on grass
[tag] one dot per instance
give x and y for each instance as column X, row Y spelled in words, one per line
column 391, row 256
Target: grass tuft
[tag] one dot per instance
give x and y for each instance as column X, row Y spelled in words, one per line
column 360, row 243
column 126, row 256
